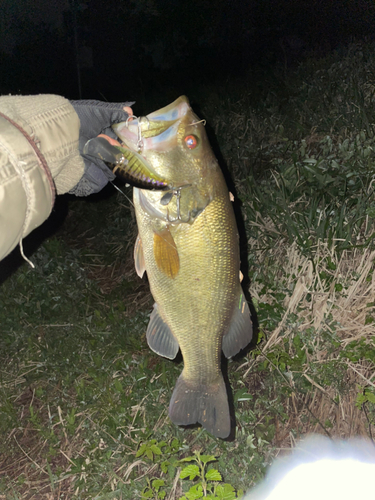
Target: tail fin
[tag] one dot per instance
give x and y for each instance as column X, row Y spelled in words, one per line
column 206, row 404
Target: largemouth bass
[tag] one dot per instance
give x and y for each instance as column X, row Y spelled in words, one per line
column 188, row 245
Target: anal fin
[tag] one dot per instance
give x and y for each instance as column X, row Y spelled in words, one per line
column 240, row 330
column 160, row 337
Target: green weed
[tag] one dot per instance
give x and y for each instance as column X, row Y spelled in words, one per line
column 207, row 480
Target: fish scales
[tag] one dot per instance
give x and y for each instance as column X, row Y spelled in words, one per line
column 204, row 291
column 188, row 245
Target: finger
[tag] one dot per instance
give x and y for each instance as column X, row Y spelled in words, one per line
column 128, row 110
column 111, row 141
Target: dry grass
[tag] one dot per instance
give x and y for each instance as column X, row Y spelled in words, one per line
column 313, row 300
column 25, row 462
column 343, row 298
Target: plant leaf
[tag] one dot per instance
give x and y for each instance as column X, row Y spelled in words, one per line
column 225, row 492
column 213, row 475
column 370, row 396
column 141, row 450
column 157, row 483
column 147, row 494
column 191, row 471
column 195, row 492
column 155, row 449
column 164, row 466
column 207, row 458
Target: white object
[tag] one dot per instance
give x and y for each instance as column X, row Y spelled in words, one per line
column 321, row 469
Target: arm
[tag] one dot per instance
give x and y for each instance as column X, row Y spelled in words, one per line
column 40, row 140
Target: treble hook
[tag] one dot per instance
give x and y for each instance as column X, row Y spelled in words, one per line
column 177, row 194
column 140, row 142
column 130, row 117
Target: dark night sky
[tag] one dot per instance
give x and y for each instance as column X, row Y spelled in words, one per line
column 127, row 47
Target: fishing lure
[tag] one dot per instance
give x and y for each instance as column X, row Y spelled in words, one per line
column 127, row 165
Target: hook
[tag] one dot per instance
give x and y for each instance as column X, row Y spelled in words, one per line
column 130, row 117
column 177, row 194
column 140, row 142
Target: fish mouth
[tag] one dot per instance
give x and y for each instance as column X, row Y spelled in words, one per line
column 156, row 131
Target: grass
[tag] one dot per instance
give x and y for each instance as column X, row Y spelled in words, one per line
column 83, row 401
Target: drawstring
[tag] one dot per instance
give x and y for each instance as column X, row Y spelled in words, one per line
column 18, row 166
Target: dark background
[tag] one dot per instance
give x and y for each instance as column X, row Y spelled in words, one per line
column 119, row 50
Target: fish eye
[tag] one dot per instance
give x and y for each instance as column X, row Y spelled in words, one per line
column 191, row 141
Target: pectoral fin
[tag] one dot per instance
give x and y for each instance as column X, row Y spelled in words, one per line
column 240, row 330
column 139, row 259
column 159, row 336
column 165, row 253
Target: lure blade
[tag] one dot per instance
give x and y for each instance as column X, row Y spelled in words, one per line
column 166, row 198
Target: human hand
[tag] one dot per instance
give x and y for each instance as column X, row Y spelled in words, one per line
column 96, row 118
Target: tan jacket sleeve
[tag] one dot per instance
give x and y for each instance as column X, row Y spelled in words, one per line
column 39, row 157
